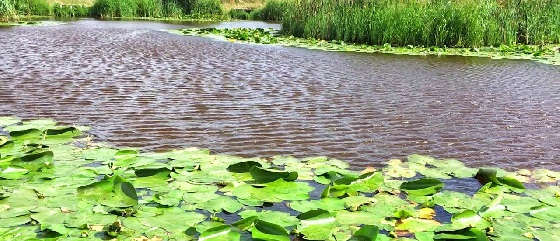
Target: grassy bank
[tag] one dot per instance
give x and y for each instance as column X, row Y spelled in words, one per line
column 468, row 23
column 170, row 9
column 58, row 184
column 547, row 54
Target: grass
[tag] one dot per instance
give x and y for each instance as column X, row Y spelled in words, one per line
column 242, row 4
column 467, row 23
column 272, row 10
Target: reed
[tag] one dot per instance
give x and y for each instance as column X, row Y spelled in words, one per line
column 7, row 10
column 204, row 8
column 273, row 10
column 466, row 23
column 70, row 11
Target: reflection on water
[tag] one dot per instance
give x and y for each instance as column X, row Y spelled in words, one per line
column 141, row 87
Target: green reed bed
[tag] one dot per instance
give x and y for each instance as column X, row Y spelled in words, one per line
column 547, row 54
column 273, row 10
column 157, row 9
column 58, row 184
column 466, row 23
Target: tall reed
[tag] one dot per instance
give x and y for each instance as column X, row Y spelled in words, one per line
column 273, row 10
column 465, row 23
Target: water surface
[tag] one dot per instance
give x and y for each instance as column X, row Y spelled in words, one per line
column 142, row 87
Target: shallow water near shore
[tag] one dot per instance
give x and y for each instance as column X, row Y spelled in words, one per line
column 142, row 87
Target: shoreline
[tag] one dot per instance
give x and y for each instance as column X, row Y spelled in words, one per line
column 547, row 54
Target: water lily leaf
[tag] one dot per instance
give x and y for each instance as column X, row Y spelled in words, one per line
column 61, row 134
column 422, row 187
column 245, row 223
column 329, row 204
column 470, row 234
column 316, row 224
column 486, row 175
column 174, row 220
column 546, row 213
column 424, row 236
column 414, row 225
column 35, row 161
column 510, row 181
column 8, row 120
column 279, row 218
column 366, row 233
column 276, row 191
column 241, row 167
column 266, row 231
column 264, row 176
column 354, row 202
column 221, row 233
column 14, row 221
column 112, row 192
column 13, row 173
column 220, row 203
column 396, row 168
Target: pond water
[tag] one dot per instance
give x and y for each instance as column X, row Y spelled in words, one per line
column 142, row 87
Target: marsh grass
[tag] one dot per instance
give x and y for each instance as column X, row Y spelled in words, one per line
column 7, row 10
column 207, row 8
column 241, row 14
column 70, row 11
column 467, row 23
column 156, row 8
column 273, row 10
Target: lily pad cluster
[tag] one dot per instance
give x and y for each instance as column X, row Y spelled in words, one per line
column 547, row 54
column 57, row 184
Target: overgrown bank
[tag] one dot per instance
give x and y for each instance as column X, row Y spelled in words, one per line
column 547, row 54
column 469, row 23
column 57, row 184
column 176, row 9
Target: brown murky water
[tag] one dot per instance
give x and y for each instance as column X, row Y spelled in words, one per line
column 141, row 87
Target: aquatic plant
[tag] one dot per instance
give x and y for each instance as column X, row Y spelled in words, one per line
column 471, row 23
column 57, row 184
column 70, row 11
column 273, row 10
column 207, row 8
column 241, row 14
column 548, row 54
column 32, row 7
column 7, row 10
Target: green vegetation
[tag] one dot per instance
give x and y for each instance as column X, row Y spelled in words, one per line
column 469, row 23
column 56, row 184
column 273, row 10
column 548, row 54
column 70, row 11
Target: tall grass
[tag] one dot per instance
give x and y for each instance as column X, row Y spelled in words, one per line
column 7, row 10
column 156, row 8
column 207, row 8
column 70, row 11
column 32, row 7
column 464, row 23
column 273, row 10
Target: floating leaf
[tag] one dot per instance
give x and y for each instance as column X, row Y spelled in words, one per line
column 220, row 233
column 112, row 192
column 316, row 224
column 269, row 232
column 241, row 167
column 366, row 233
column 263, row 176
column 422, row 187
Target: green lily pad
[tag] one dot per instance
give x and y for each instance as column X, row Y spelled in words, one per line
column 422, row 187
column 113, row 192
column 220, row 233
column 269, row 232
